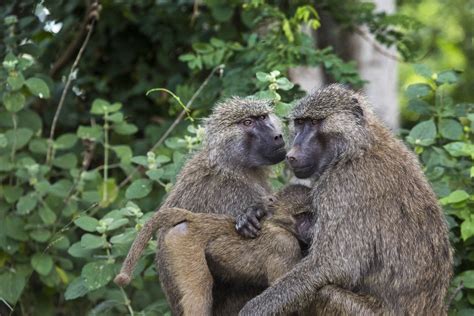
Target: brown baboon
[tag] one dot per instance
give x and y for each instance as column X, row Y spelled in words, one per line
column 194, row 239
column 380, row 242
column 227, row 176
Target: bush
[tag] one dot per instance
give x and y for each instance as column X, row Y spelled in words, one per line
column 444, row 141
column 74, row 194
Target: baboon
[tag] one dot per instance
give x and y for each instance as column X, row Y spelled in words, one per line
column 380, row 241
column 194, row 239
column 229, row 175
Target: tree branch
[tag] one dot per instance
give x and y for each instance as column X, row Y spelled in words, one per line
column 92, row 14
column 176, row 121
column 70, row 76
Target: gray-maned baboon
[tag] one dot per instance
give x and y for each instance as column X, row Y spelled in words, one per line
column 227, row 176
column 380, row 242
column 194, row 239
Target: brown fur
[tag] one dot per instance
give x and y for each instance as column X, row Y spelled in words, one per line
column 380, row 243
column 218, row 179
column 193, row 239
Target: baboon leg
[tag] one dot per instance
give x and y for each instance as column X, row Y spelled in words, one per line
column 258, row 261
column 333, row 300
column 191, row 276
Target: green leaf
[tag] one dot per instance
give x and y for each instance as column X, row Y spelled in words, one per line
column 155, row 174
column 459, row 149
column 76, row 289
column 263, row 77
column 418, row 90
column 11, row 286
column 203, row 48
column 66, row 161
column 284, row 84
column 110, row 187
column 99, row 106
column 455, row 197
column 16, row 80
column 448, row 76
column 26, row 204
column 65, row 141
column 468, row 278
column 140, row 160
column 423, row 134
column 38, row 87
column 13, row 101
column 138, row 189
column 187, row 57
column 115, row 117
column 89, row 241
column 124, row 238
column 420, row 107
column 423, row 70
column 97, row 274
column 42, row 263
column 12, row 193
column 38, row 146
column 15, row 228
column 467, row 229
column 267, row 95
column 3, row 140
column 10, row 60
column 124, row 153
column 77, row 251
column 87, row 223
column 89, row 132
column 19, row 137
column 40, row 235
column 117, row 224
column 221, row 11
column 47, row 215
column 450, row 129
column 124, row 128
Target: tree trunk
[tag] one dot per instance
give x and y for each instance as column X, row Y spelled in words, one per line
column 374, row 66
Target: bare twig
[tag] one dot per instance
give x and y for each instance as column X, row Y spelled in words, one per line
column 176, row 121
column 66, row 86
column 382, row 50
column 92, row 13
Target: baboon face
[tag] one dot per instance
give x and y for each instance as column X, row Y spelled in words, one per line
column 312, row 150
column 262, row 140
column 327, row 126
column 244, row 133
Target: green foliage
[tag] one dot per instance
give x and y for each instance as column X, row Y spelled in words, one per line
column 444, row 141
column 72, row 205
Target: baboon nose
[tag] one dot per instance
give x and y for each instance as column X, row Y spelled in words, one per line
column 278, row 140
column 291, row 158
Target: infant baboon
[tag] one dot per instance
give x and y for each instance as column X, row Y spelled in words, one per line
column 229, row 175
column 380, row 242
column 194, row 239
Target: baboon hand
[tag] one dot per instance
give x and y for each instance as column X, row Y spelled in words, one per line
column 247, row 224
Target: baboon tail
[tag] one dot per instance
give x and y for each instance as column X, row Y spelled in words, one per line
column 163, row 218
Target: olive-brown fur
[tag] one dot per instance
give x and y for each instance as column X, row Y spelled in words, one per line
column 380, row 242
column 218, row 179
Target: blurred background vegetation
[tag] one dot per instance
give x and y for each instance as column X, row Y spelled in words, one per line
column 86, row 155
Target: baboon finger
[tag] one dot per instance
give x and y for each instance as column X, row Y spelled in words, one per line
column 253, row 221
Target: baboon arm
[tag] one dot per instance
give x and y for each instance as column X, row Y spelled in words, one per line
column 291, row 293
column 333, row 260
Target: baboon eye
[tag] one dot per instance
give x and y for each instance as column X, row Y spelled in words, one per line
column 262, row 117
column 299, row 121
column 247, row 122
